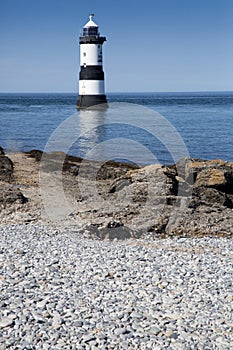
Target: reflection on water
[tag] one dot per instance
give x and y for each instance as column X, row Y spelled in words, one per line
column 92, row 131
column 126, row 132
column 123, row 132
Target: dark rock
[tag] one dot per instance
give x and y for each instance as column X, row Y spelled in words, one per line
column 6, row 168
column 55, row 161
column 158, row 229
column 209, row 196
column 36, row 154
column 106, row 171
column 113, row 230
column 60, row 161
column 114, row 170
column 229, row 200
column 73, row 159
column 2, row 153
column 120, row 232
column 10, row 194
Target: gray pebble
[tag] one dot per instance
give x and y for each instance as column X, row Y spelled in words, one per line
column 61, row 290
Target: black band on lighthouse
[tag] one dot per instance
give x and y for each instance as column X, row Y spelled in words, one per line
column 93, row 39
column 86, row 101
column 91, row 73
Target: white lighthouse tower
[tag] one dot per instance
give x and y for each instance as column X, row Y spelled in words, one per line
column 91, row 76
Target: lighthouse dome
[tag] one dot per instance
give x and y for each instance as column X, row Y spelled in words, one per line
column 91, row 28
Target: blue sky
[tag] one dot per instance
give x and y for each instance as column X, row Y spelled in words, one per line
column 152, row 45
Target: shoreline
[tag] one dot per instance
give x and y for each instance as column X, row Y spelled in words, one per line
column 118, row 200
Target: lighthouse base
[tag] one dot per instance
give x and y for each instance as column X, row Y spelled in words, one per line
column 91, row 101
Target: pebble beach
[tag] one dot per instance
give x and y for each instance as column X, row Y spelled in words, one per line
column 116, row 273
column 62, row 290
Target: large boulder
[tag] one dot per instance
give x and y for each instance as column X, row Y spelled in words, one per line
column 152, row 180
column 219, row 178
column 210, row 196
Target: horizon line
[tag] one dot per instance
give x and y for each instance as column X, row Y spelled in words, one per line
column 112, row 92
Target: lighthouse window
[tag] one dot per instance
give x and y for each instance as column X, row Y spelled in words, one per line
column 84, row 54
column 90, row 31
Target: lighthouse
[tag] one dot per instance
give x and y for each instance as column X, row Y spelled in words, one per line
column 91, row 75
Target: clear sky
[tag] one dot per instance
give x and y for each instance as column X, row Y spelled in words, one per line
column 152, row 45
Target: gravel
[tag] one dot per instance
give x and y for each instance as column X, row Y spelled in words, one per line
column 60, row 290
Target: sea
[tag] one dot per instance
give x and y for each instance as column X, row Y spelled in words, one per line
column 143, row 128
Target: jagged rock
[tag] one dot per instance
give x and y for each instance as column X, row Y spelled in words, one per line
column 2, row 153
column 220, row 179
column 10, row 194
column 151, row 180
column 210, row 196
column 113, row 170
column 6, row 168
column 169, row 196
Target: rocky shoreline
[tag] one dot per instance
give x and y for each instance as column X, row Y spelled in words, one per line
column 97, row 275
column 116, row 200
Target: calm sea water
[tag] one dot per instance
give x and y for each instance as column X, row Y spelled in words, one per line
column 129, row 129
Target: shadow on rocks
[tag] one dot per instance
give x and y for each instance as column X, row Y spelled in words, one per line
column 114, row 230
